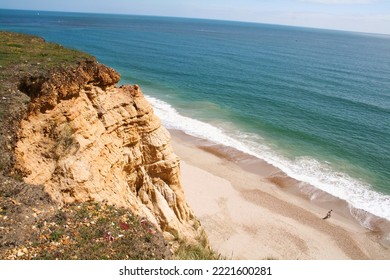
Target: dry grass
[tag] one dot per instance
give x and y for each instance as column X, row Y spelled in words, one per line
column 91, row 231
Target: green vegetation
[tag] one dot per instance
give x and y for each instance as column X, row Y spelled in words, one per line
column 92, row 231
column 26, row 53
column 101, row 231
column 196, row 251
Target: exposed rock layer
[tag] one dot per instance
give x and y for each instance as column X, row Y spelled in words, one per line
column 86, row 139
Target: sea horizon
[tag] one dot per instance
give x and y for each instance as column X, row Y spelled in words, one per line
column 205, row 19
column 313, row 102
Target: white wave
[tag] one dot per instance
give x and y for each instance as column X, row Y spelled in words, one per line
column 357, row 193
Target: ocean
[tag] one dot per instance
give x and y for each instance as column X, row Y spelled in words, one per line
column 314, row 103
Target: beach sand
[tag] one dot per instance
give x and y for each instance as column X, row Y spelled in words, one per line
column 249, row 211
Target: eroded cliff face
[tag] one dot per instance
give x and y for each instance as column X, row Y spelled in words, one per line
column 86, row 139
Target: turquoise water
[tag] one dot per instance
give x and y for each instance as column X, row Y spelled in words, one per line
column 315, row 103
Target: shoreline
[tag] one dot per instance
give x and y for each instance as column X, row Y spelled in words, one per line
column 246, row 188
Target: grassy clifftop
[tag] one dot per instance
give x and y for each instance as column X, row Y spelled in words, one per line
column 22, row 55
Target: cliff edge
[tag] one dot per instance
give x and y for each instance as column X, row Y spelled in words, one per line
column 85, row 139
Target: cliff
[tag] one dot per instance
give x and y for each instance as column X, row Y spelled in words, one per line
column 86, row 139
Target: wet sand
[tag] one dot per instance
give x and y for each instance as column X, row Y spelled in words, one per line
column 251, row 210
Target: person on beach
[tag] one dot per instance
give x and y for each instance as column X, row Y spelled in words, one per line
column 328, row 215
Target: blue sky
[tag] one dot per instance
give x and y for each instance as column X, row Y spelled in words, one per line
column 355, row 15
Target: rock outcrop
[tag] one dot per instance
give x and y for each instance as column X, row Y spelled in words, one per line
column 86, row 139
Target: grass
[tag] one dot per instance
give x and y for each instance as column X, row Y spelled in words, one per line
column 93, row 231
column 56, row 236
column 26, row 51
column 66, row 144
column 200, row 250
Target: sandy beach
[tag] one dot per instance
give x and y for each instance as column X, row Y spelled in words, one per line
column 255, row 215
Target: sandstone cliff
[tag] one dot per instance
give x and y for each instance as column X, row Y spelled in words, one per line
column 86, row 139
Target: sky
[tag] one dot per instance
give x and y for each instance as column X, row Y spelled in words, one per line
column 372, row 16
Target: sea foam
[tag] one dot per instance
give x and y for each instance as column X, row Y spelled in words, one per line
column 320, row 175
